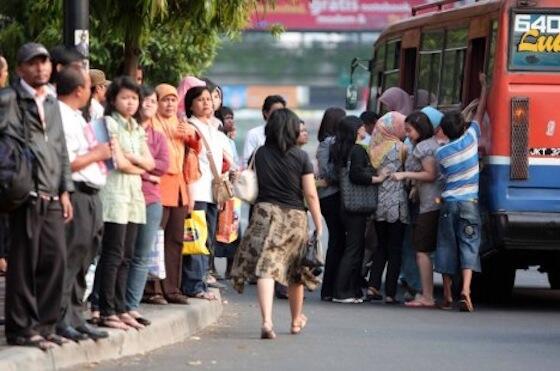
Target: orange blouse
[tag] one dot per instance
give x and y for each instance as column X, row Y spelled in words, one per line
column 184, row 146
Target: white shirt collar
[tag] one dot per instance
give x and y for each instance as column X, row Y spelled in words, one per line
column 28, row 88
column 67, row 108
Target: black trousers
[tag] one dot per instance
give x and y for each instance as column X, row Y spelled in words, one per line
column 4, row 235
column 389, row 252
column 37, row 261
column 330, row 208
column 83, row 240
column 116, row 252
column 348, row 278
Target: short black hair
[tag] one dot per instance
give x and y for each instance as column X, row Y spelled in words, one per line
column 282, row 130
column 64, row 56
column 146, row 91
column 421, row 123
column 270, row 101
column 329, row 122
column 69, row 79
column 453, row 124
column 369, row 117
column 223, row 112
column 191, row 95
column 121, row 82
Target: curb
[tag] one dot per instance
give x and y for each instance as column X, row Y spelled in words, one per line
column 170, row 324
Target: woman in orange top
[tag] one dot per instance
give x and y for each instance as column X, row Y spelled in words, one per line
column 184, row 146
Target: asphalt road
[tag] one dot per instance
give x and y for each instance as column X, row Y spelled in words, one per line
column 524, row 335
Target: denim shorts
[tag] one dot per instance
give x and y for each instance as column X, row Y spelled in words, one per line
column 458, row 240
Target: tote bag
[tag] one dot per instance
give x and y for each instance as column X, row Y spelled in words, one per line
column 156, row 258
column 228, row 221
column 356, row 198
column 195, row 234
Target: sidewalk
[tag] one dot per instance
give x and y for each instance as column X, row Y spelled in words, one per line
column 170, row 324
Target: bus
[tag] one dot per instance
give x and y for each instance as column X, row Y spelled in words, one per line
column 436, row 56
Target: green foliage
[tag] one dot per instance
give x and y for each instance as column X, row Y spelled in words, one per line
column 170, row 38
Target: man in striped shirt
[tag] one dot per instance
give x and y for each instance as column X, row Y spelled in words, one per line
column 459, row 224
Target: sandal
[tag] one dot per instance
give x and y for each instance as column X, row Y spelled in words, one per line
column 296, row 329
column 373, row 294
column 205, row 295
column 267, row 333
column 465, row 304
column 418, row 303
column 138, row 317
column 113, row 322
column 127, row 319
column 392, row 301
column 36, row 341
column 56, row 339
column 445, row 304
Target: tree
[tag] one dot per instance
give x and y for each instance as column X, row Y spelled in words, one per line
column 169, row 37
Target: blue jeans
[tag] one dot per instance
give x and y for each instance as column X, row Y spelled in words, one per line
column 138, row 271
column 195, row 267
column 458, row 240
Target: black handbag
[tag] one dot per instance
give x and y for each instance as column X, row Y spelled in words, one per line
column 313, row 257
column 356, row 198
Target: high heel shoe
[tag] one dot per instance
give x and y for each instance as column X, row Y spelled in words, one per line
column 267, row 333
column 296, row 329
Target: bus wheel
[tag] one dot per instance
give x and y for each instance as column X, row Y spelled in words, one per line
column 554, row 279
column 497, row 279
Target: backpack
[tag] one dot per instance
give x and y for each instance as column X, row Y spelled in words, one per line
column 17, row 170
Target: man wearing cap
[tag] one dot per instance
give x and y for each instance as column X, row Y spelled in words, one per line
column 98, row 90
column 38, row 250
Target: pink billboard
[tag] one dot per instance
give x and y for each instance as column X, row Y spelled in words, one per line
column 334, row 15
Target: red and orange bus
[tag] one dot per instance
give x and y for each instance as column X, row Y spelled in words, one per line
column 436, row 56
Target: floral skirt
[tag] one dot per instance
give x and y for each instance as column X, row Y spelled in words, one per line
column 272, row 247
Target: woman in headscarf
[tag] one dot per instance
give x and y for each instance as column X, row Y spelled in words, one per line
column 396, row 99
column 388, row 151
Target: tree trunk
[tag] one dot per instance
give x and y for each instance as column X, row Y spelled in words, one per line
column 131, row 55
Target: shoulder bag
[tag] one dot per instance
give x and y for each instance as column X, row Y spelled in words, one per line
column 246, row 186
column 356, row 198
column 222, row 189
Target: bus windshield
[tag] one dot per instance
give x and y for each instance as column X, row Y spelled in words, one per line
column 535, row 41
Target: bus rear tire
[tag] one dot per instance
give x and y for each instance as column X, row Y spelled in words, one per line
column 497, row 279
column 554, row 279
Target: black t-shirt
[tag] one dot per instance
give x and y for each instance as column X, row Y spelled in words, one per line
column 279, row 176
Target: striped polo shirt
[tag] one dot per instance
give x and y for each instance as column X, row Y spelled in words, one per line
column 458, row 162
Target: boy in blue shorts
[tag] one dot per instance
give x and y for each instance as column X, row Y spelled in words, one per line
column 458, row 239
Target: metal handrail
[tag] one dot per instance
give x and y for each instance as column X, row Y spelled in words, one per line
column 439, row 4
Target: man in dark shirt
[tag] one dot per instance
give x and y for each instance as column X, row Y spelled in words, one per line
column 37, row 253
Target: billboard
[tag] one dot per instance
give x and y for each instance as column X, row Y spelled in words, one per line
column 334, row 15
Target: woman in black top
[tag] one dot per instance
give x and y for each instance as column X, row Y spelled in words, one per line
column 271, row 248
column 347, row 287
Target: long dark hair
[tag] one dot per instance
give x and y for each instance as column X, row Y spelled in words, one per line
column 121, row 82
column 329, row 123
column 345, row 139
column 282, row 130
column 191, row 95
column 421, row 123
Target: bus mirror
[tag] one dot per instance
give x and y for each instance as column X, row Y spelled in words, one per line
column 351, row 97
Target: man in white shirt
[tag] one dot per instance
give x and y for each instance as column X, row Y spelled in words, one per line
column 84, row 233
column 98, row 91
column 255, row 137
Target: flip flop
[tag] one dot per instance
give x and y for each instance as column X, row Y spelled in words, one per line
column 113, row 322
column 296, row 329
column 36, row 341
column 418, row 304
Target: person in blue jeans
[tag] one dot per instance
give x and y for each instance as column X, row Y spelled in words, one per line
column 147, row 233
column 458, row 239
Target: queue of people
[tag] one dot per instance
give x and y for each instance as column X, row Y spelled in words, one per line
column 115, row 163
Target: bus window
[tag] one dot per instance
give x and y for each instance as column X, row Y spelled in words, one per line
column 491, row 51
column 430, row 64
column 391, row 74
column 453, row 67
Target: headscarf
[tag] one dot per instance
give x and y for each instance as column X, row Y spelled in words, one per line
column 163, row 90
column 396, row 99
column 434, row 115
column 185, row 84
column 388, row 133
column 424, row 98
